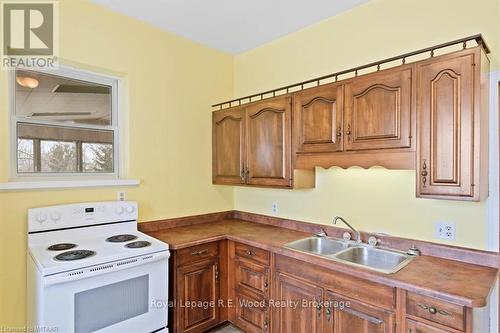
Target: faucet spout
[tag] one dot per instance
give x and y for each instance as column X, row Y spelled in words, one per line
column 357, row 233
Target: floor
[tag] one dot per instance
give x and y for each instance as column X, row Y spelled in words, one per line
column 227, row 329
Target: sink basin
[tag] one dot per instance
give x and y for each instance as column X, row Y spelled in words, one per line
column 351, row 253
column 384, row 261
column 318, row 245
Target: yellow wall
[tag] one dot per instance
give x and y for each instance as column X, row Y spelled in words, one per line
column 172, row 82
column 373, row 200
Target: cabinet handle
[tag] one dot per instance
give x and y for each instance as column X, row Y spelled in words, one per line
column 339, row 131
column 433, row 310
column 319, row 307
column 266, row 325
column 424, row 173
column 216, row 273
column 242, row 174
column 444, row 313
column 250, row 252
column 247, row 174
column 348, row 132
column 328, row 313
column 266, row 284
column 199, row 253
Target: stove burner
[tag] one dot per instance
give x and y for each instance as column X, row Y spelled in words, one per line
column 61, row 246
column 74, row 255
column 121, row 238
column 138, row 244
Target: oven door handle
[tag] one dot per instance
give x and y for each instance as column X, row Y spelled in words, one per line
column 105, row 268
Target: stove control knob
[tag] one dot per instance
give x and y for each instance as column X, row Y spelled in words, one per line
column 119, row 210
column 55, row 216
column 41, row 217
column 130, row 209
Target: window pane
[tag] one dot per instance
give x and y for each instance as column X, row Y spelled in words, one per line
column 64, row 149
column 25, row 158
column 41, row 96
column 58, row 156
column 97, row 157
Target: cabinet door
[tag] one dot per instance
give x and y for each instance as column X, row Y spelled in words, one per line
column 317, row 119
column 353, row 316
column 302, row 306
column 416, row 327
column 252, row 313
column 228, row 146
column 197, row 282
column 378, row 110
column 269, row 142
column 445, row 104
column 252, row 276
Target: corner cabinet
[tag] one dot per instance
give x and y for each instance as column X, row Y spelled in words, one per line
column 452, row 145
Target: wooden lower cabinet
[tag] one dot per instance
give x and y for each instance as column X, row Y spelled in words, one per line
column 302, row 305
column 198, row 283
column 267, row 292
column 417, row 327
column 195, row 288
column 252, row 312
column 345, row 315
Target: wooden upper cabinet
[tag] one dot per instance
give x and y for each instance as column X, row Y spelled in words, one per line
column 228, row 146
column 317, row 119
column 378, row 110
column 448, row 104
column 268, row 126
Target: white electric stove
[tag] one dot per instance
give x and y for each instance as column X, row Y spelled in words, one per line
column 91, row 270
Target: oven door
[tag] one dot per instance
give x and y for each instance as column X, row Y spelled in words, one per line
column 128, row 300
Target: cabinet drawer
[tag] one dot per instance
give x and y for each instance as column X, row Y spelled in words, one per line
column 198, row 252
column 252, row 314
column 252, row 253
column 438, row 311
column 416, row 327
column 252, row 276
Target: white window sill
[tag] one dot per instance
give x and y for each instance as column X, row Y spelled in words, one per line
column 61, row 184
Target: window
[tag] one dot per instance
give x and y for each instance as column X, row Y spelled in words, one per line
column 64, row 123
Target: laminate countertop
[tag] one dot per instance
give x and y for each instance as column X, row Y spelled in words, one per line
column 458, row 282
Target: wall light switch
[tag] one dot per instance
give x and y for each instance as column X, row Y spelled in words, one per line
column 445, row 230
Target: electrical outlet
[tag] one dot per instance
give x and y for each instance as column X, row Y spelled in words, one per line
column 120, row 196
column 445, row 230
column 274, row 208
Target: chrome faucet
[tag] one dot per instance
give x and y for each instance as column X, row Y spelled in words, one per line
column 357, row 233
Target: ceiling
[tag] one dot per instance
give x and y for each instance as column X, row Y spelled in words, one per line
column 232, row 26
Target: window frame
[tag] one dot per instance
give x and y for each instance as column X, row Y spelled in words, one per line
column 115, row 127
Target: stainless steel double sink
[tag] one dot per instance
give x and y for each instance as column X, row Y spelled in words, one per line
column 352, row 253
